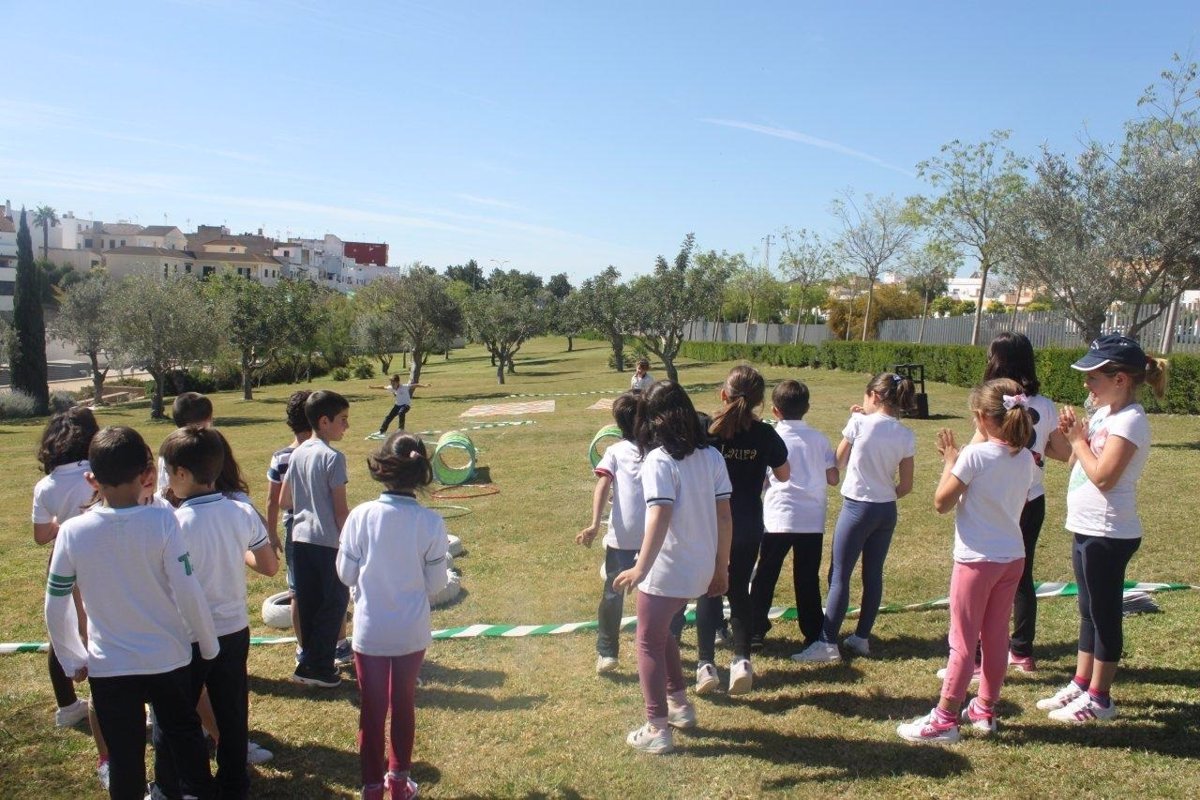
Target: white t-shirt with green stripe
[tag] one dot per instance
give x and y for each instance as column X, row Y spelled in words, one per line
column 138, row 588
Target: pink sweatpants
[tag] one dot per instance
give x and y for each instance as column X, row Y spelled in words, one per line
column 659, row 667
column 981, row 603
column 386, row 682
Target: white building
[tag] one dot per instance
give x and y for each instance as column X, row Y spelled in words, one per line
column 8, row 265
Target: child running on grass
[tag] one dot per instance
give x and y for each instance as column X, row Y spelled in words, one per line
column 64, row 493
column 1109, row 453
column 619, row 473
column 685, row 552
column 393, row 558
column 986, row 483
column 875, row 448
column 794, row 516
column 751, row 448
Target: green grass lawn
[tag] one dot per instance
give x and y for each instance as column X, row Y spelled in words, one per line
column 529, row 718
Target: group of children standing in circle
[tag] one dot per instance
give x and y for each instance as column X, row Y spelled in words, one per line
column 691, row 520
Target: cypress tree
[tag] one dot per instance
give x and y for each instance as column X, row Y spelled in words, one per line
column 27, row 361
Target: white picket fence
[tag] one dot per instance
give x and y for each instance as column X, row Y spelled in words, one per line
column 754, row 333
column 1044, row 328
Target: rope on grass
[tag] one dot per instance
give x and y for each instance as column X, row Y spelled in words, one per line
column 567, row 394
column 607, row 432
column 481, row 490
column 789, row 613
column 453, row 442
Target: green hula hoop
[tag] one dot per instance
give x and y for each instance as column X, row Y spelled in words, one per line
column 453, row 476
column 607, row 432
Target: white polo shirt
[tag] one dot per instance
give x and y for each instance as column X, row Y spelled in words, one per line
column 62, row 494
column 798, row 504
column 878, row 444
column 627, row 523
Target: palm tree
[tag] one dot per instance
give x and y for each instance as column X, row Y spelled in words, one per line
column 46, row 217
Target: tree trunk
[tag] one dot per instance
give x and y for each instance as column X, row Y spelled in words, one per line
column 870, row 301
column 512, row 367
column 618, row 348
column 924, row 316
column 97, row 380
column 156, row 402
column 499, row 369
column 46, row 240
column 247, row 387
column 984, row 266
column 1168, row 337
column 414, row 374
column 669, row 366
column 570, row 343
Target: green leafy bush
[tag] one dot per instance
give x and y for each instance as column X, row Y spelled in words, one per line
column 341, row 374
column 364, row 370
column 16, row 404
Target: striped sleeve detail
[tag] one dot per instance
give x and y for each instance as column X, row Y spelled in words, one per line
column 604, row 473
column 262, row 540
column 724, row 495
column 660, row 501
column 59, row 585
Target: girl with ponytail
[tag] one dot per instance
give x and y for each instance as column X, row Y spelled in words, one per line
column 986, row 483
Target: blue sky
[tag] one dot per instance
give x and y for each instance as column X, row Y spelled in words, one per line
column 550, row 136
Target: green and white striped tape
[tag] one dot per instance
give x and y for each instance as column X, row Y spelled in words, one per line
column 480, row 427
column 1048, row 589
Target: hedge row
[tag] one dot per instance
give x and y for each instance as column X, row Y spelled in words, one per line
column 958, row 365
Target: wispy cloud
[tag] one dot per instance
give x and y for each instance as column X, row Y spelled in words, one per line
column 488, row 201
column 804, row 138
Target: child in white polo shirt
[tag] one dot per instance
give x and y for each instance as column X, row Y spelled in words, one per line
column 223, row 536
column 794, row 516
column 145, row 607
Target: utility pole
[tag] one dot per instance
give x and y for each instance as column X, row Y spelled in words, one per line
column 767, row 251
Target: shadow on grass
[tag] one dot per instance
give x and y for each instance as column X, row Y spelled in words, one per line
column 1165, row 731
column 459, row 700
column 466, row 398
column 433, row 672
column 560, row 793
column 237, row 422
column 884, row 707
column 318, row 771
column 283, row 687
column 937, row 417
column 850, row 758
column 1177, row 445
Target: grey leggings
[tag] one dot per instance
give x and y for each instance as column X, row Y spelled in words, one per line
column 863, row 529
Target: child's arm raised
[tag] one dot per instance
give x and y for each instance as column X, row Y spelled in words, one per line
column 949, row 488
column 599, row 498
column 1106, row 471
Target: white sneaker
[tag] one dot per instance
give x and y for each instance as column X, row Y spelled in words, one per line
column 649, row 739
column 69, row 716
column 706, row 678
column 102, row 773
column 1084, row 709
column 975, row 674
column 818, row 652
column 680, row 715
column 857, row 645
column 927, row 730
column 1062, row 698
column 979, row 718
column 741, row 676
column 605, row 664
column 257, row 754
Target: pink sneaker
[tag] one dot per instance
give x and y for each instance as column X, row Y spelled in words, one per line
column 1021, row 663
column 927, row 730
column 400, row 787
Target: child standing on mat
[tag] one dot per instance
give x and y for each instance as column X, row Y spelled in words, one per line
column 402, row 393
column 751, row 448
column 393, row 556
column 794, row 516
column 315, row 491
column 64, row 493
column 986, row 483
column 619, row 473
column 1109, row 454
column 875, row 448
column 684, row 554
column 145, row 608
